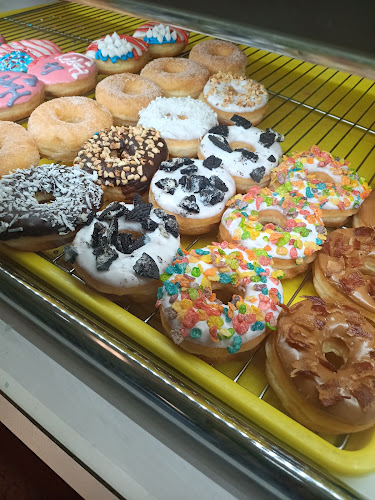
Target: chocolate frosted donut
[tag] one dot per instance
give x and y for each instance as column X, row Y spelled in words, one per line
column 125, row 160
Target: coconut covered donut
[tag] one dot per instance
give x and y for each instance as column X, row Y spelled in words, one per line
column 219, row 55
column 125, row 249
column 61, row 126
column 194, row 191
column 20, row 94
column 163, row 40
column 177, row 77
column 182, row 122
column 324, row 180
column 320, row 363
column 125, row 95
column 247, row 152
column 192, row 313
column 366, row 214
column 289, row 228
column 17, row 148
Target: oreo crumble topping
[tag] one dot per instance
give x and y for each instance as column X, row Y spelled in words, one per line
column 220, row 142
column 241, row 122
column 269, row 137
column 258, row 173
column 220, row 130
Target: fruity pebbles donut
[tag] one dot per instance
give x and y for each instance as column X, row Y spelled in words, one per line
column 20, row 94
column 194, row 316
column 219, row 55
column 288, row 228
column 163, row 40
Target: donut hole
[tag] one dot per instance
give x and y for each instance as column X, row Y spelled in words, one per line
column 174, row 67
column 69, row 116
column 336, row 352
column 131, row 87
column 225, row 293
column 42, row 197
column 272, row 217
column 221, row 51
column 241, row 145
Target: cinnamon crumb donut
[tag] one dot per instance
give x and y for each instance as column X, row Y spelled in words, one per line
column 125, row 95
column 177, row 77
column 17, row 148
column 219, row 55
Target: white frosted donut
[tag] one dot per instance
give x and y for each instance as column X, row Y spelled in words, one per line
column 17, row 148
column 125, row 249
column 194, row 191
column 181, row 121
column 247, row 152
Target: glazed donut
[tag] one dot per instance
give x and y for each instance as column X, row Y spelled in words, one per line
column 192, row 313
column 182, row 122
column 124, row 159
column 320, row 364
column 20, row 94
column 125, row 249
column 163, row 40
column 118, row 54
column 219, row 55
column 16, row 61
column 324, row 180
column 248, row 153
column 125, row 95
column 194, row 191
column 17, row 148
column 65, row 74
column 289, row 228
column 33, row 47
column 42, row 207
column 177, row 77
column 62, row 125
column 366, row 214
column 344, row 270
column 228, row 95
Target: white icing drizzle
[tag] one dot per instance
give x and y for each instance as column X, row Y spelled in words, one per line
column 79, row 64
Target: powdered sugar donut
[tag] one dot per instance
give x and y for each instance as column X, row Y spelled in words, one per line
column 181, row 121
column 15, row 61
column 163, row 40
column 247, row 152
column 118, row 54
column 20, row 94
column 219, row 55
column 194, row 191
column 36, row 48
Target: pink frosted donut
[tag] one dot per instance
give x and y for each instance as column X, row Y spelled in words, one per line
column 65, row 74
column 36, row 48
column 20, row 94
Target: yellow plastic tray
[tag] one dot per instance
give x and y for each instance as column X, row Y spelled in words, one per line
column 310, row 104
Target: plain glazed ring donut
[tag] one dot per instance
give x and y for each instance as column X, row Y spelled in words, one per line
column 125, row 95
column 177, row 77
column 219, row 55
column 42, row 207
column 192, row 313
column 320, row 363
column 181, row 121
column 17, row 148
column 60, row 127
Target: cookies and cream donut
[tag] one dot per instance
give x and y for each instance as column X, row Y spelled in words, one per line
column 65, row 74
column 366, row 214
column 228, row 94
column 125, row 249
column 42, row 207
column 320, row 363
column 288, row 228
column 125, row 95
column 118, row 54
column 177, row 77
column 17, row 148
column 16, row 61
column 219, row 55
column 163, row 40
column 33, row 47
column 192, row 313
column 182, row 122
column 61, row 126
column 194, row 191
column 20, row 94
column 247, row 152
column 124, row 159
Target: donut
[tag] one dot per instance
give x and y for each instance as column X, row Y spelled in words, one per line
column 163, row 40
column 182, row 122
column 219, row 55
column 125, row 95
column 324, row 180
column 17, row 148
column 220, row 300
column 15, row 61
column 194, row 191
column 125, row 249
column 366, row 214
column 247, row 152
column 344, row 271
column 289, row 228
column 118, row 54
column 177, row 77
column 42, row 207
column 20, row 94
column 124, row 159
column 228, row 94
column 320, row 363
column 65, row 74
column 33, row 47
column 60, row 127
